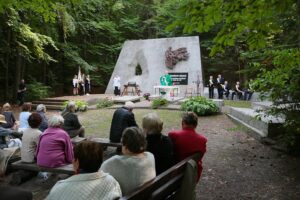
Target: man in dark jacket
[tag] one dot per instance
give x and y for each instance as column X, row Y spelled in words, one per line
column 122, row 118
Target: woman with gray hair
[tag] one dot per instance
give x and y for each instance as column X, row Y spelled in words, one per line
column 72, row 125
column 55, row 148
column 159, row 145
column 41, row 110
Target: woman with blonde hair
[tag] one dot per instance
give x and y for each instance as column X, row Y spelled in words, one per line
column 9, row 116
column 159, row 145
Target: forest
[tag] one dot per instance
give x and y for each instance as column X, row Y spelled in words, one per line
column 46, row 41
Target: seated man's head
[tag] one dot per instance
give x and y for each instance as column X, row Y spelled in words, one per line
column 41, row 108
column 55, row 121
column 189, row 120
column 133, row 141
column 71, row 107
column 129, row 105
column 88, row 157
column 152, row 124
column 34, row 120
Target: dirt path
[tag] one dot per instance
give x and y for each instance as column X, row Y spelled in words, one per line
column 237, row 166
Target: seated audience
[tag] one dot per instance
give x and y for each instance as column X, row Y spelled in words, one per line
column 249, row 91
column 72, row 125
column 158, row 144
column 123, row 117
column 88, row 183
column 24, row 115
column 30, row 138
column 4, row 132
column 8, row 192
column 41, row 110
column 55, row 148
column 135, row 167
column 226, row 89
column 9, row 117
column 187, row 141
column 237, row 91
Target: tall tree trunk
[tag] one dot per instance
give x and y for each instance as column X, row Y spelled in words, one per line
column 18, row 72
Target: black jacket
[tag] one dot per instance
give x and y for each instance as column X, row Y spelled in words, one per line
column 161, row 147
column 71, row 121
column 122, row 119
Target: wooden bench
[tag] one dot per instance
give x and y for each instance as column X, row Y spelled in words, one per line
column 77, row 140
column 67, row 169
column 165, row 185
column 105, row 142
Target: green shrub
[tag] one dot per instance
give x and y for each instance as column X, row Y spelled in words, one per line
column 159, row 102
column 80, row 105
column 37, row 90
column 200, row 105
column 104, row 103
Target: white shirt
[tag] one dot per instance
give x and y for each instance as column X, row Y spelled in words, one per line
column 30, row 141
column 89, row 186
column 117, row 81
column 130, row 171
column 75, row 81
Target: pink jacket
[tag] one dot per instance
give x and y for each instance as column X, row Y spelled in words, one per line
column 55, row 148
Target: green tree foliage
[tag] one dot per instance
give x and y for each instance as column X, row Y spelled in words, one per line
column 267, row 36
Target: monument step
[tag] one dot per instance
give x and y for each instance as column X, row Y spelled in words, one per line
column 264, row 126
column 47, row 102
column 53, row 100
column 49, row 107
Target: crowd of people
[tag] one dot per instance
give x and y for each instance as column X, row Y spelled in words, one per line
column 146, row 152
column 224, row 89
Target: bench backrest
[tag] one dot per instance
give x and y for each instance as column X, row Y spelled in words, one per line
column 163, row 186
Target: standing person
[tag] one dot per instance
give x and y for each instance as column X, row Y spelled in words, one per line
column 117, row 85
column 30, row 138
column 211, row 86
column 41, row 110
column 82, row 85
column 88, row 183
column 136, row 166
column 54, row 148
column 87, row 85
column 9, row 116
column 123, row 117
column 159, row 145
column 187, row 141
column 75, row 85
column 21, row 92
column 220, row 83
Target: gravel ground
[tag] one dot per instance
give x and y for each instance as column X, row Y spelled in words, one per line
column 236, row 166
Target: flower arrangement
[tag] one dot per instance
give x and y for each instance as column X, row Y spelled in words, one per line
column 146, row 96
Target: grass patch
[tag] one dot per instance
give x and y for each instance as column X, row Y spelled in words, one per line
column 97, row 122
column 238, row 104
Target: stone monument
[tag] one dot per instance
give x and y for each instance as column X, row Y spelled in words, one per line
column 145, row 61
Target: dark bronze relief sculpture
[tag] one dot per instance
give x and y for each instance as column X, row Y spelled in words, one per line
column 173, row 57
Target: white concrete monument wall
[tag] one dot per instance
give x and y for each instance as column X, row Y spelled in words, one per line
column 150, row 55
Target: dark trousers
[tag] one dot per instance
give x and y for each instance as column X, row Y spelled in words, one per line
column 211, row 92
column 116, row 91
column 247, row 95
column 226, row 92
column 20, row 98
column 220, row 93
column 239, row 94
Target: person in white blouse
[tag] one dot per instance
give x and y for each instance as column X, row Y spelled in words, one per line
column 117, row 85
column 75, row 85
column 87, row 183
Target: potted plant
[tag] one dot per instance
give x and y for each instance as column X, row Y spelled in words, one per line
column 146, row 96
